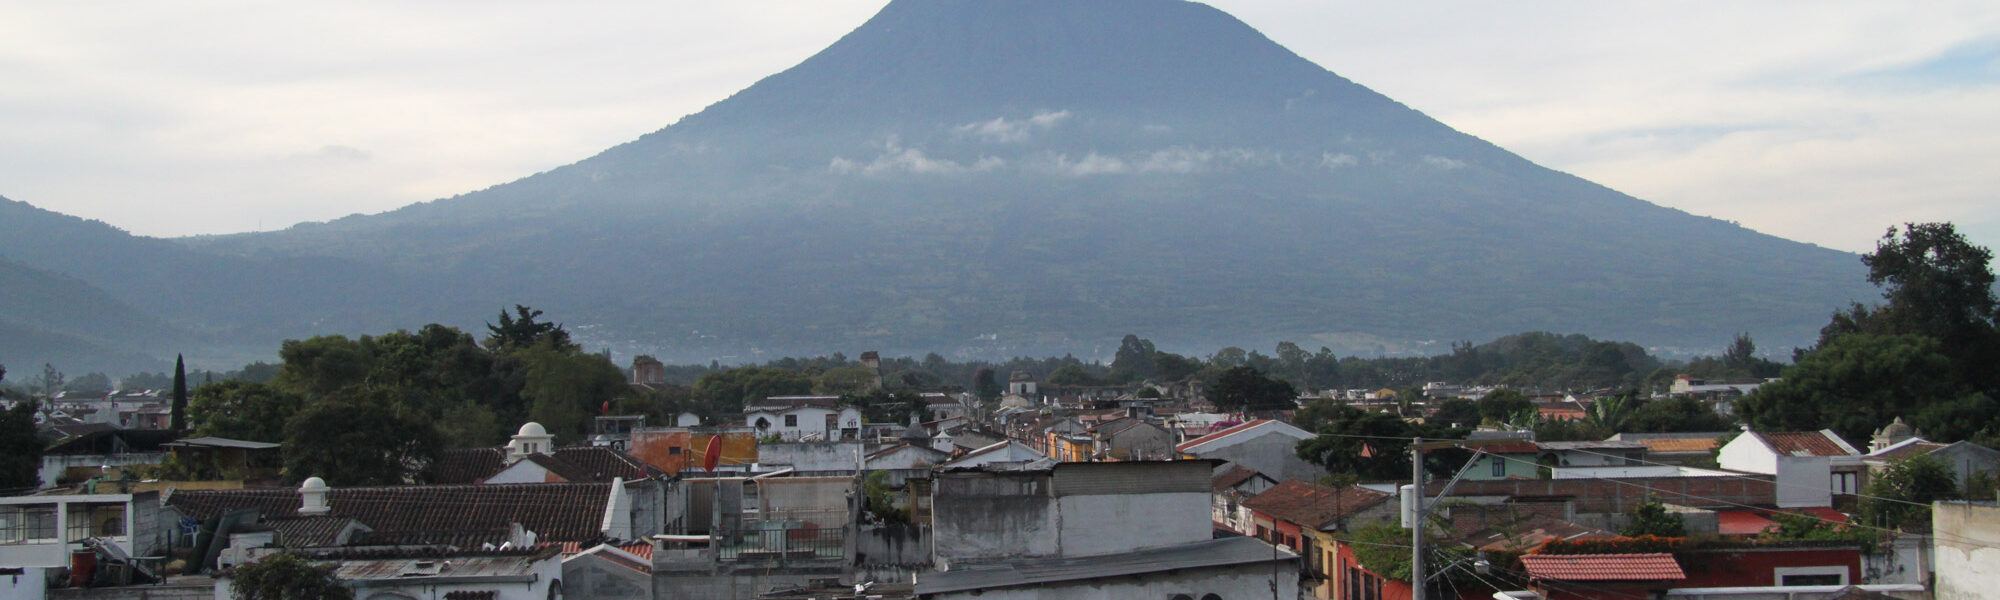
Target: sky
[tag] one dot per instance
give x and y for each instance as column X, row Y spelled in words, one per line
column 1824, row 121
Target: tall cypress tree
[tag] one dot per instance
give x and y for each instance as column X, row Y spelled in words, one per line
column 180, row 395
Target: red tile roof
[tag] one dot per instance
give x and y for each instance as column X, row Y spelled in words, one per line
column 1219, row 435
column 1804, row 443
column 1233, row 478
column 1658, row 566
column 463, row 515
column 576, row 464
column 1313, row 506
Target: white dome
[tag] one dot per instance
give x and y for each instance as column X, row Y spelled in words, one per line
column 532, row 430
column 313, row 483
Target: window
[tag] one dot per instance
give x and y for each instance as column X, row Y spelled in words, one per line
column 28, row 524
column 1499, row 466
column 1844, row 483
column 1811, row 575
column 791, row 420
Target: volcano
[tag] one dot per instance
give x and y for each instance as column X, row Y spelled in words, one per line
column 1006, row 177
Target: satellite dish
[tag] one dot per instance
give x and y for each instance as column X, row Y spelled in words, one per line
column 711, row 455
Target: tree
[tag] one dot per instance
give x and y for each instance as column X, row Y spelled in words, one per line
column 1609, row 414
column 177, row 420
column 844, row 380
column 1134, row 360
column 1073, row 374
column 521, row 331
column 1675, row 415
column 1651, row 518
column 89, row 384
column 241, row 410
column 564, row 389
column 724, row 392
column 1244, row 388
column 1854, row 384
column 1456, row 410
column 1901, row 494
column 985, row 385
column 20, row 448
column 285, row 576
column 1937, row 283
column 359, row 440
column 1501, row 405
column 1375, row 446
column 52, row 380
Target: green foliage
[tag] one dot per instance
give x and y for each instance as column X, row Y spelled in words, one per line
column 521, row 331
column 1374, row 446
column 725, row 392
column 1675, row 415
column 241, row 410
column 1501, row 405
column 1244, row 388
column 285, row 576
column 1856, row 383
column 844, row 380
column 1901, row 495
column 20, row 448
column 1134, row 360
column 565, row 388
column 1456, row 410
column 881, row 502
column 89, row 384
column 1801, row 527
column 985, row 385
column 178, row 416
column 359, row 440
column 1382, row 548
column 1651, row 518
column 1074, row 374
column 1926, row 354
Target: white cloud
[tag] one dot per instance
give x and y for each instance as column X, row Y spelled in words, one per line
column 1440, row 162
column 897, row 159
column 1329, row 160
column 1001, row 130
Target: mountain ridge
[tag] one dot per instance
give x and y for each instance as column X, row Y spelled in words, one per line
column 1040, row 176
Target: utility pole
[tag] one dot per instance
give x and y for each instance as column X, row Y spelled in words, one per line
column 1417, row 525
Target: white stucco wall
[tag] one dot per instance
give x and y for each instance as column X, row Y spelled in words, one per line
column 1967, row 551
column 1747, row 454
column 1104, row 524
column 1803, row 482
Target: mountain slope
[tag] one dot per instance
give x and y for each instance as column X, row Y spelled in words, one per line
column 1036, row 176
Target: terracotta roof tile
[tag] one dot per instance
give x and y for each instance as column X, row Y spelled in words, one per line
column 1603, row 567
column 1804, row 443
column 464, row 515
column 1680, row 444
column 1311, row 505
column 1233, row 478
column 466, row 465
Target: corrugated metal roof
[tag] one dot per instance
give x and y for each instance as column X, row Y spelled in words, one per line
column 1659, row 566
column 1208, row 553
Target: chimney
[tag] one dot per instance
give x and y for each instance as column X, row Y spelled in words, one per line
column 312, row 498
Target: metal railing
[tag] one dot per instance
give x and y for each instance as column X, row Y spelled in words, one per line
column 780, row 542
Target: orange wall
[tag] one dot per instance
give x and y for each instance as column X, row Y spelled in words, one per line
column 679, row 449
